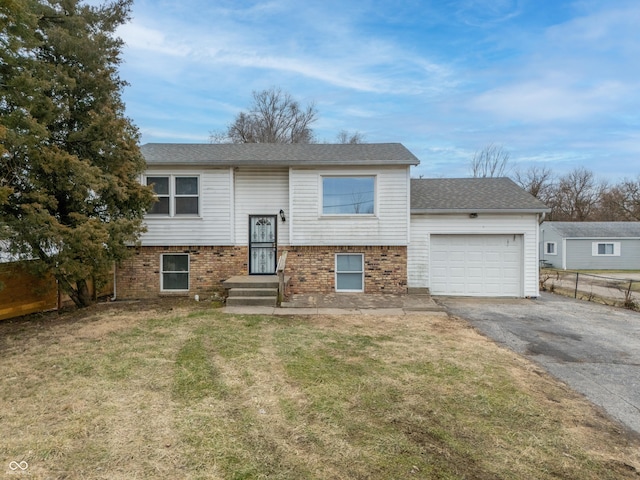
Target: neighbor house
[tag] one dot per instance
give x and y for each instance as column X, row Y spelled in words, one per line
column 348, row 216
column 590, row 245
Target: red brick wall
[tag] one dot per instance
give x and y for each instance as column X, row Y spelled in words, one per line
column 311, row 269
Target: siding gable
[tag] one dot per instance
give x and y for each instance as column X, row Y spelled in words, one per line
column 388, row 226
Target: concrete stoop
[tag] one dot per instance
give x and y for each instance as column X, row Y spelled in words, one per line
column 254, row 291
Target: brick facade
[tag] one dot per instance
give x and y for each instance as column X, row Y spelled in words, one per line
column 139, row 275
column 311, row 269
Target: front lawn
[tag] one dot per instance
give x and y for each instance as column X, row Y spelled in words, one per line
column 154, row 391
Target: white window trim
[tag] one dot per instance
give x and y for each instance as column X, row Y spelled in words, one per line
column 546, row 248
column 349, row 215
column 337, row 272
column 162, row 272
column 172, row 195
column 616, row 249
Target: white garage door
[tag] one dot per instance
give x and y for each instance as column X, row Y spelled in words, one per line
column 476, row 265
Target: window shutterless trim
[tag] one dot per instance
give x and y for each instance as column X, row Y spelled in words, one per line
column 173, row 196
column 595, row 249
column 346, row 199
column 349, row 272
column 164, row 272
column 546, row 248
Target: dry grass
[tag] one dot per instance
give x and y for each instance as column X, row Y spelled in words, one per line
column 171, row 391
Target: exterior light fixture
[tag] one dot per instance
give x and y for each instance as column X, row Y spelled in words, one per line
column 282, row 217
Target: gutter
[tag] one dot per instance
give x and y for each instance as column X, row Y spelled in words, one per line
column 448, row 211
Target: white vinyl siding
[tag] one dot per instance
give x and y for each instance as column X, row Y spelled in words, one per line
column 213, row 224
column 389, row 225
column 423, row 226
column 261, row 192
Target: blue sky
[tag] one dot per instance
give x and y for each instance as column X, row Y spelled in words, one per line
column 556, row 83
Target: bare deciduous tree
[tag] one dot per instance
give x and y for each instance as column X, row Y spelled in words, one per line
column 274, row 117
column 491, row 161
column 352, row 138
column 576, row 196
column 536, row 180
column 622, row 201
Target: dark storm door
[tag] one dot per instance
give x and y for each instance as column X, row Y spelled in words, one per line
column 262, row 244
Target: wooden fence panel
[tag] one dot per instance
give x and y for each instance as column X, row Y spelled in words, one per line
column 25, row 293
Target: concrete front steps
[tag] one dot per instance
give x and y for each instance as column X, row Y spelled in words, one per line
column 252, row 290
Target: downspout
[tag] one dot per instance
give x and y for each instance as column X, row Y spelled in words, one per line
column 542, row 217
column 115, row 293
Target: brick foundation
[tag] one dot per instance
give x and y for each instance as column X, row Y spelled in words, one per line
column 311, row 269
column 139, row 275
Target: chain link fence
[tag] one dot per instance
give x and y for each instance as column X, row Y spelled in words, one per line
column 609, row 290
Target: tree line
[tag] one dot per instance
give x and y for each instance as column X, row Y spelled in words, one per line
column 576, row 196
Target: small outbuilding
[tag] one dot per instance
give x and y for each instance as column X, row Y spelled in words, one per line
column 590, row 245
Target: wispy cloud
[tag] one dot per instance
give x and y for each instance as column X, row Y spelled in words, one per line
column 556, row 82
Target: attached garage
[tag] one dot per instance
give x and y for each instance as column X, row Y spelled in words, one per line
column 476, row 265
column 473, row 237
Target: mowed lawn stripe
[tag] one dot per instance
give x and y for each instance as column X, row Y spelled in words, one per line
column 185, row 391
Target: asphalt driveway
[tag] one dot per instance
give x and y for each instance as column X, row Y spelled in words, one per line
column 593, row 348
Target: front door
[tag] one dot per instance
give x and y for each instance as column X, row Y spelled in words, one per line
column 262, row 244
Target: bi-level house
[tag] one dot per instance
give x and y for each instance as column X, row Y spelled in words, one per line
column 340, row 211
column 349, row 217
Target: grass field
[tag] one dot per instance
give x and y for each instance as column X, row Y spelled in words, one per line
column 150, row 391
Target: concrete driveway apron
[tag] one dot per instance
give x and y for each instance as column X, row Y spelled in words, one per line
column 593, row 348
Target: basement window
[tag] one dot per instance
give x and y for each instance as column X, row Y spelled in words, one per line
column 175, row 272
column 349, row 272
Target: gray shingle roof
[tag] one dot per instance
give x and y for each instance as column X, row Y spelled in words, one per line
column 269, row 154
column 468, row 195
column 596, row 229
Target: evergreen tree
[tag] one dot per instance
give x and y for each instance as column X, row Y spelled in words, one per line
column 69, row 162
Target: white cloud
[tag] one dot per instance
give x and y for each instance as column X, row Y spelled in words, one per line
column 139, row 37
column 545, row 101
column 487, row 13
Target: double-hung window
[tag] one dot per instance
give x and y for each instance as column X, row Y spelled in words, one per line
column 175, row 272
column 349, row 272
column 176, row 194
column 353, row 195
